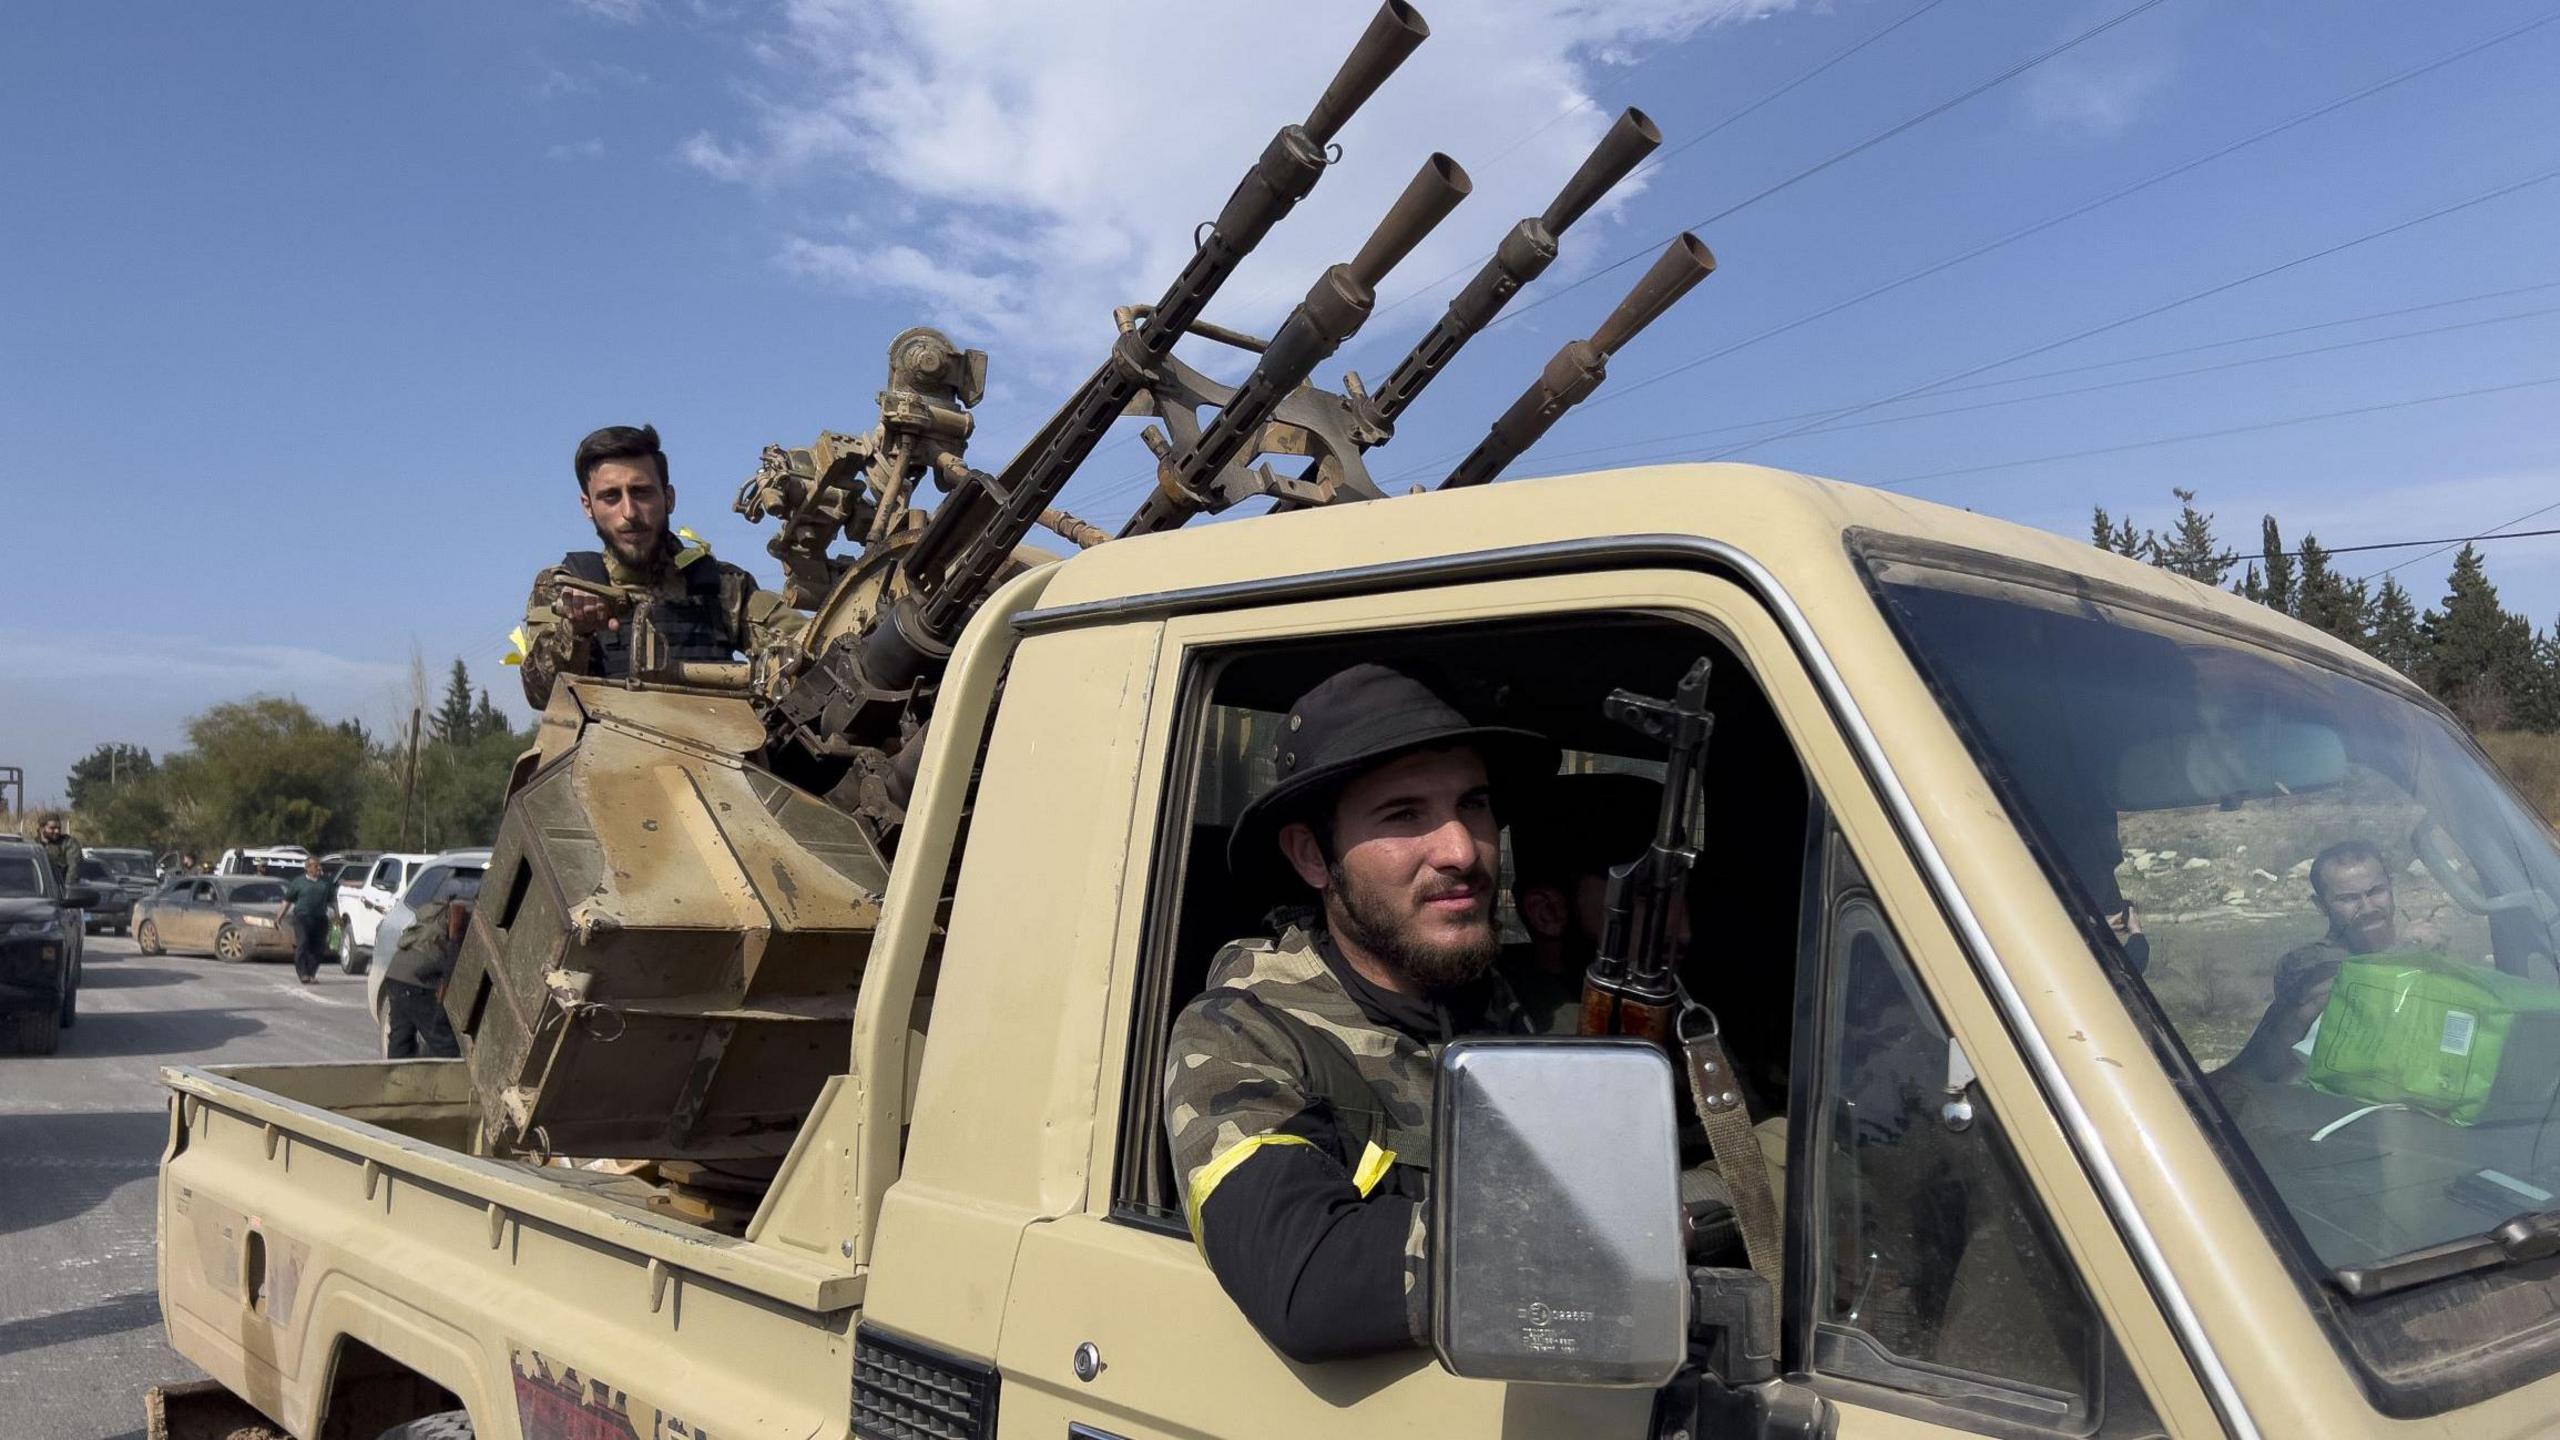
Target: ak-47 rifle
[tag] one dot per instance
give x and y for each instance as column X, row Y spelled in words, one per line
column 1633, row 987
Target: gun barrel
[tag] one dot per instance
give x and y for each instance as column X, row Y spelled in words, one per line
column 1428, row 197
column 1523, row 256
column 1578, row 368
column 1335, row 308
column 1392, row 35
column 1632, row 138
column 1681, row 266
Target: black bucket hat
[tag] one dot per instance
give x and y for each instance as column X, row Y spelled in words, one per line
column 1355, row 720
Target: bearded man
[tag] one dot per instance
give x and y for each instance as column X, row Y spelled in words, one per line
column 1298, row 1093
column 704, row 609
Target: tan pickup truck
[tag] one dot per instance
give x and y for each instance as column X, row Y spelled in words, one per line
column 2005, row 841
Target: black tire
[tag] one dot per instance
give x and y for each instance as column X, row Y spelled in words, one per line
column 351, row 960
column 451, row 1425
column 229, row 944
column 39, row 1032
column 146, row 938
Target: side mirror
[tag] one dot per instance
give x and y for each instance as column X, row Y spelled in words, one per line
column 1558, row 1253
column 79, row 900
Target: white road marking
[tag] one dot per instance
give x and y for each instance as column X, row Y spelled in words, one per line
column 315, row 997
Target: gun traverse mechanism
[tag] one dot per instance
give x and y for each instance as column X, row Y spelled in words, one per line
column 1581, row 365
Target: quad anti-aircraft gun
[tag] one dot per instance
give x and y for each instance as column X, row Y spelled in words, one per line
column 676, row 918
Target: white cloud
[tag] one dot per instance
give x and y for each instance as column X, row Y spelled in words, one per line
column 2097, row 100
column 1042, row 164
column 621, row 12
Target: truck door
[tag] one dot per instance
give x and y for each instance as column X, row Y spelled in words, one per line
column 1928, row 1289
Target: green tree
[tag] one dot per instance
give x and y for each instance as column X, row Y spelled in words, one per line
column 2277, row 591
column 485, row 719
column 2113, row 538
column 2328, row 600
column 112, row 763
column 265, row 771
column 2479, row 654
column 451, row 722
column 462, row 789
column 2190, row 549
column 2392, row 631
column 2541, row 707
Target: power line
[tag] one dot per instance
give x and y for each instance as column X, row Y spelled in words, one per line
column 2490, row 534
column 2073, row 390
column 2150, row 312
column 1658, row 161
column 1900, row 482
column 2270, row 132
column 1861, row 147
column 2413, row 544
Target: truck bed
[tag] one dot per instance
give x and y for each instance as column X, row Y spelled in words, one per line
column 301, row 1207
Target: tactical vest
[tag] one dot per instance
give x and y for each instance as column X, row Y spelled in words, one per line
column 694, row 627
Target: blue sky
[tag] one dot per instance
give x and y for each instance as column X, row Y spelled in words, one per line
column 304, row 307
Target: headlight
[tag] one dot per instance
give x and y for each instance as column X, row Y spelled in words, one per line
column 257, row 920
column 29, row 927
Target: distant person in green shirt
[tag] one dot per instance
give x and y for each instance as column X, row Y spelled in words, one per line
column 309, row 903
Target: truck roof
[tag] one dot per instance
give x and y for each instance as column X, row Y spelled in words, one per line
column 1790, row 523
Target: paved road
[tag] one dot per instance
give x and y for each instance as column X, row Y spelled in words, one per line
column 80, row 1137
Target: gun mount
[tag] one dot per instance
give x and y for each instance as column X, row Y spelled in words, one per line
column 689, row 870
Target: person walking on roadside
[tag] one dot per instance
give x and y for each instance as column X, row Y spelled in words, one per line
column 308, row 901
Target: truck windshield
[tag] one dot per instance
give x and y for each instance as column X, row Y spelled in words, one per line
column 2319, row 892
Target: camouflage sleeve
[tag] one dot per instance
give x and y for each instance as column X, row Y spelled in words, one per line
column 551, row 648
column 756, row 617
column 1322, row 1268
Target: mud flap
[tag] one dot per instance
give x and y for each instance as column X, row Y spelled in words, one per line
column 203, row 1410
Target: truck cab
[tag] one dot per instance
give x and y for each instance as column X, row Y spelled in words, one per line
column 1959, row 769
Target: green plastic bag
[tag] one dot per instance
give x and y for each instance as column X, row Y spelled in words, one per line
column 2451, row 1038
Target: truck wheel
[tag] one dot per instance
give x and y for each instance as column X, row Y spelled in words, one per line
column 147, row 938
column 451, row 1425
column 350, row 959
column 39, row 1032
column 228, row 944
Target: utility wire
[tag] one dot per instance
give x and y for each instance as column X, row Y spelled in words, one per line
column 1904, row 481
column 2490, row 534
column 2367, row 92
column 1861, row 147
column 2225, row 287
column 1656, row 162
column 2501, row 534
column 2071, row 391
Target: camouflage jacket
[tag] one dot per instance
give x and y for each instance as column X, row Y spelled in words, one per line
column 62, row 856
column 1298, row 1099
column 424, row 954
column 712, row 613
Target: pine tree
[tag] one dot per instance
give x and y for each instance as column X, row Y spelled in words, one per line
column 2190, row 549
column 486, row 721
column 2479, row 655
column 2541, row 708
column 2252, row 589
column 2327, row 600
column 2113, row 538
column 451, row 722
column 2278, row 590
column 2392, row 631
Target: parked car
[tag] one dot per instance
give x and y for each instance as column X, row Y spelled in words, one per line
column 120, row 877
column 39, row 949
column 281, row 861
column 233, row 917
column 453, row 873
column 365, row 895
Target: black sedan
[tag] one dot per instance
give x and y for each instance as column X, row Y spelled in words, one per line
column 39, row 950
column 120, row 877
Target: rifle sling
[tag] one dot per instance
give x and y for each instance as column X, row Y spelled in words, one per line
column 1735, row 1148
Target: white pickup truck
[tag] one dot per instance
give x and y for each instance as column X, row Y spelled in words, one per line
column 362, row 904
